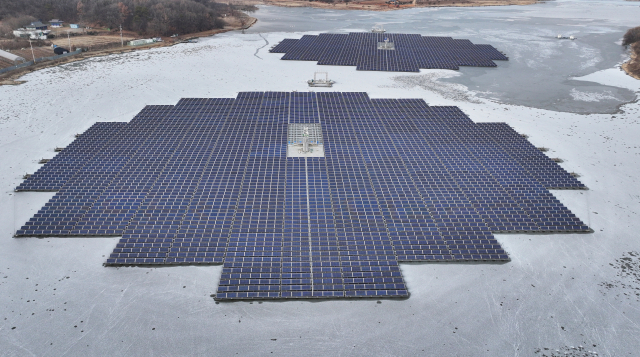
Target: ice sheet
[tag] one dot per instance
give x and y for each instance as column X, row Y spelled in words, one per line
column 558, row 291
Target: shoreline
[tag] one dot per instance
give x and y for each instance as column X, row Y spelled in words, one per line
column 625, row 66
column 12, row 78
column 377, row 5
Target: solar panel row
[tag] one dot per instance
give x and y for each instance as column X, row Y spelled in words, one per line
column 208, row 181
column 547, row 172
column 410, row 51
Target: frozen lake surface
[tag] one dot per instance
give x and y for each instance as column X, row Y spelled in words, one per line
column 540, row 66
column 558, row 292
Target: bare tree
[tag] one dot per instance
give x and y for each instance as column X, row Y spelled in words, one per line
column 632, row 36
column 9, row 24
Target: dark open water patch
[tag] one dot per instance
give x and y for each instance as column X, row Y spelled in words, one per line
column 539, row 74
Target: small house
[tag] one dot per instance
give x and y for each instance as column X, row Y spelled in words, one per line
column 36, row 25
column 75, row 26
column 56, row 23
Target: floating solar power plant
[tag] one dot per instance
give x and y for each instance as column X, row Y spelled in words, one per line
column 388, row 51
column 209, row 181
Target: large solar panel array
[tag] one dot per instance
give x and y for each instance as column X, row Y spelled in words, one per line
column 411, row 51
column 208, row 181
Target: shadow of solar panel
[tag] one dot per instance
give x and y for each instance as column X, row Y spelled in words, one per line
column 208, row 181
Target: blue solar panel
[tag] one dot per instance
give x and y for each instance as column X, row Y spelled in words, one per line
column 409, row 52
column 208, row 181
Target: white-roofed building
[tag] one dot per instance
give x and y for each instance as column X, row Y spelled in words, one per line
column 11, row 57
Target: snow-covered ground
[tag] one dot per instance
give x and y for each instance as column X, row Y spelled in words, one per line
column 558, row 291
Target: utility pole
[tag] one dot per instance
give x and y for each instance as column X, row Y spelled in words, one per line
column 121, row 40
column 69, row 39
column 34, row 56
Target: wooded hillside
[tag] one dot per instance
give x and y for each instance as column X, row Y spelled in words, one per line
column 148, row 17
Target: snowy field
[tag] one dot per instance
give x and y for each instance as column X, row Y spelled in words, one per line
column 559, row 291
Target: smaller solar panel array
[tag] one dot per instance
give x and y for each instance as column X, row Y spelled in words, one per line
column 411, row 52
